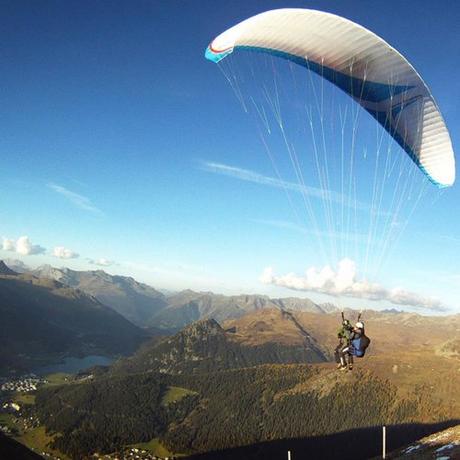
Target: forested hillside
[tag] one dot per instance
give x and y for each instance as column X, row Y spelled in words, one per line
column 205, row 391
column 218, row 410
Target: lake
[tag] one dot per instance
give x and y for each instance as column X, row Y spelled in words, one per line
column 74, row 365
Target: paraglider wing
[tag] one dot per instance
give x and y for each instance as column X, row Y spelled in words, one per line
column 363, row 65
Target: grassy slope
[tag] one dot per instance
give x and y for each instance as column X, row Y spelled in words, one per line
column 37, row 440
column 175, row 394
column 404, row 350
column 155, row 447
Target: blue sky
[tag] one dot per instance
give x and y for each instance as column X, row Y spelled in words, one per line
column 109, row 112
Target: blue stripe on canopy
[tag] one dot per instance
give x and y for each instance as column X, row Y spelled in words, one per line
column 356, row 87
column 384, row 120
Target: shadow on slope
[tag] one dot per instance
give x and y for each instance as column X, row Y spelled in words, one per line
column 359, row 444
column 11, row 449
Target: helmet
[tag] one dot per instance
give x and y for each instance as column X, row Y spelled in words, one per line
column 359, row 325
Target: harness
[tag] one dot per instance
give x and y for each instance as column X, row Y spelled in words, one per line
column 358, row 346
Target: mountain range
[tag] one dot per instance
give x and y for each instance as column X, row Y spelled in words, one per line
column 137, row 302
column 43, row 320
column 188, row 306
column 149, row 308
column 52, row 312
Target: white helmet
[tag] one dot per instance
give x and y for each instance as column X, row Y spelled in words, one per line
column 359, row 325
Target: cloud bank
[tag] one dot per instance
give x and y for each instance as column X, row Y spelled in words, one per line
column 23, row 245
column 344, row 282
column 63, row 253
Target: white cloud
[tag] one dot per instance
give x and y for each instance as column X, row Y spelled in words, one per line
column 9, row 245
column 78, row 200
column 344, row 282
column 63, row 253
column 23, row 245
column 102, row 262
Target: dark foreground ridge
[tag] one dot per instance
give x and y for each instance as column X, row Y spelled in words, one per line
column 359, row 444
column 11, row 449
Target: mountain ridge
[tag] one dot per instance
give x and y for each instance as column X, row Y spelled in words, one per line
column 206, row 346
column 188, row 306
column 147, row 307
column 43, row 319
column 136, row 301
column 5, row 270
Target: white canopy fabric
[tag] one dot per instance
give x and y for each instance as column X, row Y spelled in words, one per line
column 363, row 65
